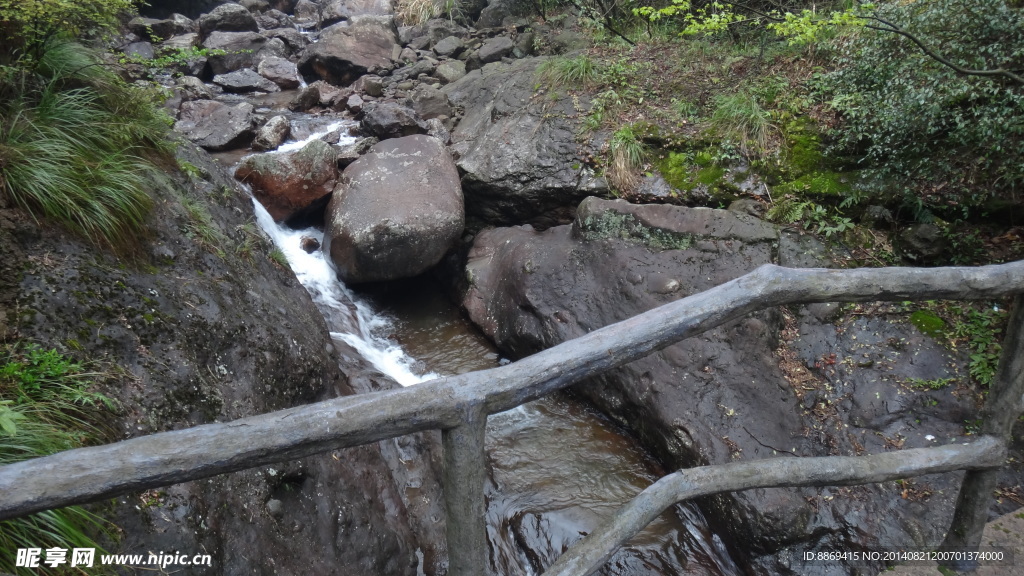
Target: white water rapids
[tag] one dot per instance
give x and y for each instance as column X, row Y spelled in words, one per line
column 349, row 318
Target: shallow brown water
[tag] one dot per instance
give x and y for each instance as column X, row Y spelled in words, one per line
column 558, row 469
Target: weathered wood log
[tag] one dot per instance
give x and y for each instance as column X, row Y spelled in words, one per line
column 593, row 551
column 465, row 473
column 1002, row 408
column 89, row 474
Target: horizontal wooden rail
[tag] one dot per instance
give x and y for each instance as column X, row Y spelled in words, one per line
column 592, row 552
column 89, row 474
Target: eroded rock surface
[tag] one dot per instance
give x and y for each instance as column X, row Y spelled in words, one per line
column 750, row 389
column 210, row 332
column 517, row 149
column 215, row 125
column 350, row 49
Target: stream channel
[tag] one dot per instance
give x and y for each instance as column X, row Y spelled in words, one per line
column 557, row 469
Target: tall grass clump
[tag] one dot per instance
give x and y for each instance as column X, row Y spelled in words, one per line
column 627, row 156
column 47, row 405
column 77, row 143
column 414, row 12
column 572, row 72
column 740, row 118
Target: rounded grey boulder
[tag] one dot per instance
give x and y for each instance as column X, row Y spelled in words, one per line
column 395, row 212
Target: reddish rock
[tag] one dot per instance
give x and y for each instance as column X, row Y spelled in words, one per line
column 289, row 185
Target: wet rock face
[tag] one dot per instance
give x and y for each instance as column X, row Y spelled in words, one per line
column 346, row 51
column 395, row 212
column 390, row 120
column 272, row 134
column 517, row 152
column 209, row 333
column 766, row 384
column 215, row 125
column 245, row 80
column 291, row 184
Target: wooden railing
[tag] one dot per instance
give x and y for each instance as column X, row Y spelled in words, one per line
column 459, row 407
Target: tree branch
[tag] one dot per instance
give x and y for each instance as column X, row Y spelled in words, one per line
column 890, row 27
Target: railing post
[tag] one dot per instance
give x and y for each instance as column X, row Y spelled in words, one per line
column 1004, row 404
column 464, row 476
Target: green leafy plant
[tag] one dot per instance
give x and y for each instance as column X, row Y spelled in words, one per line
column 47, row 404
column 941, row 137
column 980, row 329
column 173, row 58
column 28, row 25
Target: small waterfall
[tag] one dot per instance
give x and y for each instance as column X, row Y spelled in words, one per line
column 557, row 469
column 349, row 318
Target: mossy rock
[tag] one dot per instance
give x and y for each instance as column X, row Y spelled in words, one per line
column 928, row 323
column 819, row 185
column 697, row 173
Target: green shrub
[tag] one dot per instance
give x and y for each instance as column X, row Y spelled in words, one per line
column 28, row 25
column 936, row 137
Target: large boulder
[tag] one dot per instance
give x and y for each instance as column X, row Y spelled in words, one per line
column 429, row 102
column 495, row 49
column 280, row 72
column 395, row 212
column 334, row 11
column 519, row 154
column 777, row 383
column 215, row 125
column 348, row 50
column 292, row 38
column 272, row 134
column 158, row 30
column 496, row 11
column 450, row 70
column 290, row 185
column 239, row 48
column 227, row 18
column 390, row 120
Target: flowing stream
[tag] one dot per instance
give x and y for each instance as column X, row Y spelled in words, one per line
column 557, row 468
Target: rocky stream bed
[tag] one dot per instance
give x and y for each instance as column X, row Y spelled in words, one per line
column 425, row 164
